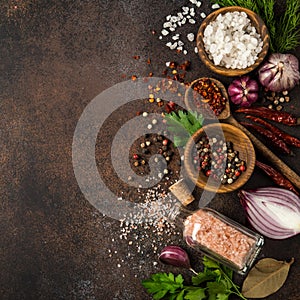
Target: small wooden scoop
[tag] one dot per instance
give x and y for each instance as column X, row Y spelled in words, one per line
column 228, row 118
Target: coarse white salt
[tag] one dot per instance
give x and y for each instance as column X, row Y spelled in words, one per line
column 215, row 6
column 190, row 37
column 203, row 15
column 164, row 32
column 198, row 4
column 231, row 41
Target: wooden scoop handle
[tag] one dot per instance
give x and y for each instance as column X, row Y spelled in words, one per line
column 268, row 154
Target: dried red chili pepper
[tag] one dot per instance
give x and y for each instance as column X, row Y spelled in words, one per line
column 272, row 137
column 270, row 114
column 277, row 177
column 289, row 139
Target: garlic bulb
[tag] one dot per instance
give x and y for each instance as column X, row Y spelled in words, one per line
column 280, row 72
column 243, row 91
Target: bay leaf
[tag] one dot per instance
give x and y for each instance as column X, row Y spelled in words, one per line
column 266, row 278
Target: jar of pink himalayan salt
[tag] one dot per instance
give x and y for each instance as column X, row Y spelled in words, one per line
column 220, row 238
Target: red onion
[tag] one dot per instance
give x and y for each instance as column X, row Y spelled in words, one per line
column 243, row 91
column 272, row 211
column 175, row 256
column 280, row 72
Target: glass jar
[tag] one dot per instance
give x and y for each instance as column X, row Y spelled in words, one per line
column 219, row 237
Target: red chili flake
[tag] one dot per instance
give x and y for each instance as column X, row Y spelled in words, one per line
column 153, row 31
column 123, row 76
column 150, row 74
column 148, row 61
column 170, row 106
column 133, row 77
column 165, row 72
column 135, row 156
column 138, row 113
column 136, row 57
column 185, row 66
column 173, row 65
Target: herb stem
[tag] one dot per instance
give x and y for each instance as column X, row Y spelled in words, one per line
column 237, row 292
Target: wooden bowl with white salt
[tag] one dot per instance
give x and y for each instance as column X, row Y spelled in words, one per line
column 228, row 56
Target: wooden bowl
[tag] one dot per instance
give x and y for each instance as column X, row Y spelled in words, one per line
column 241, row 143
column 256, row 21
column 189, row 99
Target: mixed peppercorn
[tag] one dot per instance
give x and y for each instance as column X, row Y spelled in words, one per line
column 211, row 153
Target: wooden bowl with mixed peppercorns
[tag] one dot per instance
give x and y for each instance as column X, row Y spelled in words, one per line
column 219, row 158
column 229, row 46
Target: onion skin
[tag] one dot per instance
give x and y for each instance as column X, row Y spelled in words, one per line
column 280, row 72
column 243, row 91
column 270, row 209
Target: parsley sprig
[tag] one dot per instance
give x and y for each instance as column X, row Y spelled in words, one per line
column 183, row 124
column 214, row 283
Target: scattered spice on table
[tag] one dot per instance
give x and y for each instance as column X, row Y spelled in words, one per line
column 277, row 99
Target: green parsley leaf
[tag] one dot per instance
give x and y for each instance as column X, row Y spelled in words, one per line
column 183, row 125
column 216, row 287
column 210, row 263
column 203, row 277
column 160, row 284
column 195, row 293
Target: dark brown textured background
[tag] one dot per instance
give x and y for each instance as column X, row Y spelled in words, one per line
column 56, row 56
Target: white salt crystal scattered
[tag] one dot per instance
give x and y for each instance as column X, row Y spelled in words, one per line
column 203, row 15
column 190, row 37
column 180, row 43
column 185, row 52
column 192, row 21
column 198, row 4
column 215, row 6
column 196, row 50
column 179, row 48
column 164, row 32
column 167, row 24
column 160, row 37
column 173, row 46
column 168, row 18
column 167, row 64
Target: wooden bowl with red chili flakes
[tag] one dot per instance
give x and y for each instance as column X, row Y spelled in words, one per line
column 206, row 168
column 209, row 97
